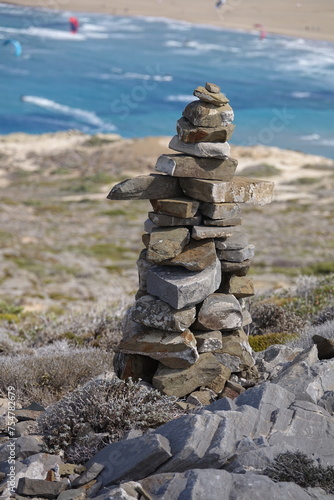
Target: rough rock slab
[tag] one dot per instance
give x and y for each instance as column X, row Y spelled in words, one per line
column 206, row 372
column 325, row 347
column 180, row 165
column 156, row 313
column 200, row 398
column 161, row 220
column 40, row 488
column 233, row 221
column 219, row 312
column 235, row 352
column 189, row 133
column 237, row 268
column 208, row 341
column 238, row 240
column 219, row 210
column 237, row 255
column 218, row 99
column 205, row 232
column 196, row 256
column 182, row 288
column 203, row 114
column 212, row 87
column 146, row 187
column 143, row 265
column 240, row 190
column 203, row 150
column 131, row 459
column 166, row 243
column 240, row 287
column 172, row 349
column 178, row 207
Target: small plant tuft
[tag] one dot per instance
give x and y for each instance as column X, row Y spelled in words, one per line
column 298, row 468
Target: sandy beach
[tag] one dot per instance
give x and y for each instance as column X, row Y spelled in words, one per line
column 305, row 19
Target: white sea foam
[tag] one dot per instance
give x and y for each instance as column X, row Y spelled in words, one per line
column 118, row 75
column 300, row 95
column 179, row 98
column 80, row 114
column 45, row 33
column 13, row 71
column 310, row 137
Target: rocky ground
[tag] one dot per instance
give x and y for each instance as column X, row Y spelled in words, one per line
column 63, row 245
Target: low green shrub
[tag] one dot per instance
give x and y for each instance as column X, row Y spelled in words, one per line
column 262, row 342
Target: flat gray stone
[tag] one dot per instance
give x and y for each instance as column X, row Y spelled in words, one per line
column 90, row 473
column 172, row 349
column 203, row 114
column 155, row 313
column 237, row 268
column 219, row 312
column 146, row 187
column 166, row 243
column 178, row 207
column 205, row 232
column 240, row 190
column 132, row 459
column 207, row 371
column 161, row 220
column 182, row 288
column 180, row 165
column 233, row 221
column 266, row 393
column 212, row 87
column 219, row 210
column 237, row 241
column 78, row 494
column 208, row 484
column 208, row 150
column 189, row 133
column 40, row 488
column 237, row 255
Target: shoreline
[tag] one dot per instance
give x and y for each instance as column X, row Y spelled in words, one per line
column 305, row 20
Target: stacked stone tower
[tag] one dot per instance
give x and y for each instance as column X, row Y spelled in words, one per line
column 184, row 334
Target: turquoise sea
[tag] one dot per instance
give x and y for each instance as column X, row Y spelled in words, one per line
column 134, row 76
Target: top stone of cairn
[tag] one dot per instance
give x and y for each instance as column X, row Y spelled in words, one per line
column 211, row 93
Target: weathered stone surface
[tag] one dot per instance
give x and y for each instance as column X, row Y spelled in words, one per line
column 208, row 341
column 239, row 286
column 231, row 390
column 180, row 165
column 203, row 114
column 219, row 312
column 206, row 372
column 161, row 220
column 196, row 256
column 240, row 190
column 234, row 221
column 143, row 265
column 149, row 226
column 182, row 288
column 325, row 347
column 146, row 187
column 89, row 474
column 238, row 240
column 166, row 243
column 79, row 494
column 219, row 210
column 172, row 349
column 237, row 255
column 40, row 488
column 271, row 361
column 203, row 150
column 156, row 313
column 134, row 366
column 189, row 437
column 131, row 459
column 237, row 268
column 203, row 397
column 205, row 232
column 25, row 446
column 218, row 99
column 25, row 414
column 178, row 207
column 212, row 87
column 235, row 352
column 189, row 133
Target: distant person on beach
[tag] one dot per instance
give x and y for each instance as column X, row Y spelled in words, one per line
column 220, row 3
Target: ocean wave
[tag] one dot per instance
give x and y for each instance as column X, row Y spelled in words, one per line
column 91, row 27
column 201, row 47
column 45, row 33
column 179, row 98
column 310, row 137
column 118, row 75
column 13, row 71
column 300, row 95
column 80, row 114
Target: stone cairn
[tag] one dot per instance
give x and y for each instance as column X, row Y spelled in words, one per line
column 184, row 334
